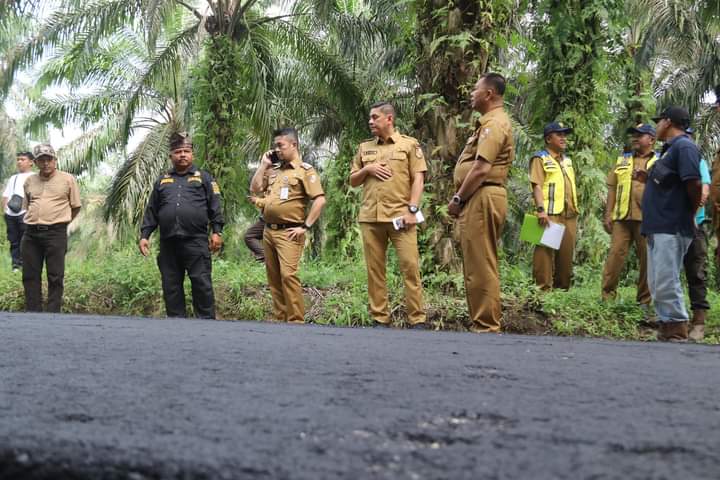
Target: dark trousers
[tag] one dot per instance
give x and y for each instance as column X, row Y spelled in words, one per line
column 44, row 245
column 192, row 255
column 254, row 239
column 695, row 262
column 15, row 228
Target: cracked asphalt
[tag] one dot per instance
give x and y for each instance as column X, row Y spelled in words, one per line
column 88, row 397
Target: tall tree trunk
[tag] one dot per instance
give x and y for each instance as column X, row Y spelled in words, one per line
column 455, row 42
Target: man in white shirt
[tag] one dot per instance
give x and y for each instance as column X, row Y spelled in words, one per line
column 12, row 202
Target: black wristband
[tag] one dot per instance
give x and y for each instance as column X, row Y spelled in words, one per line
column 306, row 226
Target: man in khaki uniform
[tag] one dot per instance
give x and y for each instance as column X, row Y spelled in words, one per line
column 553, row 185
column 391, row 168
column 288, row 187
column 481, row 201
column 715, row 188
column 623, row 213
column 52, row 201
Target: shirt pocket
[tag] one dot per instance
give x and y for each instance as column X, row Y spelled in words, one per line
column 366, row 159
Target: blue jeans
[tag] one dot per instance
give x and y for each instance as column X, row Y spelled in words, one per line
column 665, row 262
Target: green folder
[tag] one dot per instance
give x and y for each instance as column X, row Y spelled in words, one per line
column 531, row 231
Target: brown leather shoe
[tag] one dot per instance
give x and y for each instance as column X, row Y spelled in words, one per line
column 673, row 332
column 697, row 332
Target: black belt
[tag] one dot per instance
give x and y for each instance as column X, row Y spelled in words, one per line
column 45, row 228
column 282, row 226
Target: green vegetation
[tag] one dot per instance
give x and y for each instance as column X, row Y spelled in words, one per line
column 130, row 72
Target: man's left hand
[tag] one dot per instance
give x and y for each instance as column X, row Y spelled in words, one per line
column 295, row 233
column 409, row 219
column 216, row 242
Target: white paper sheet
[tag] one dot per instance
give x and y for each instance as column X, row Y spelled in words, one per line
column 553, row 235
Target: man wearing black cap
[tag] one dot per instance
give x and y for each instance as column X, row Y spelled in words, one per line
column 183, row 202
column 553, row 185
column 672, row 196
column 623, row 214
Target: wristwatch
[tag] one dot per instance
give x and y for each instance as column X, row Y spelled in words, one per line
column 306, row 226
column 413, row 208
column 540, row 209
column 457, row 200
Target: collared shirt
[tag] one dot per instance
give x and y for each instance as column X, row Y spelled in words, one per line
column 493, row 142
column 666, row 205
column 637, row 188
column 16, row 186
column 50, row 200
column 706, row 180
column 382, row 201
column 537, row 177
column 289, row 187
column 183, row 205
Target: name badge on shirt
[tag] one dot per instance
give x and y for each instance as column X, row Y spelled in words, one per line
column 284, row 193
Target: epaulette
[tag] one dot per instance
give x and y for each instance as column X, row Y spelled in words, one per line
column 409, row 138
column 368, row 140
column 306, row 166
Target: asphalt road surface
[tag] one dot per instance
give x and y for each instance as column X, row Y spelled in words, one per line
column 87, row 397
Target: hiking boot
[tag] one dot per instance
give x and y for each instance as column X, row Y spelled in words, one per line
column 673, row 332
column 697, row 332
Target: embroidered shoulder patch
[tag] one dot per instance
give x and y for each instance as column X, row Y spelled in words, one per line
column 167, row 180
column 306, row 166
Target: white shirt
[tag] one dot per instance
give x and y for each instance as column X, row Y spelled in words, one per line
column 15, row 187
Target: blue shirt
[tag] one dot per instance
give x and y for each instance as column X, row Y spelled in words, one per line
column 666, row 205
column 705, row 179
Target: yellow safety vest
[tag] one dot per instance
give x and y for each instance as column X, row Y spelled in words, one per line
column 623, row 190
column 554, row 186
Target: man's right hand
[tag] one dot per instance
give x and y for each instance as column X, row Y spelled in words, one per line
column 144, row 246
column 543, row 219
column 607, row 225
column 266, row 161
column 381, row 172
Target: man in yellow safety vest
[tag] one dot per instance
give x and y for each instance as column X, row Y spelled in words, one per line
column 623, row 215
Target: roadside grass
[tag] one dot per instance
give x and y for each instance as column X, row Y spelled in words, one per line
column 121, row 282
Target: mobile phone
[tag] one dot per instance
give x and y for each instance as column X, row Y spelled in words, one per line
column 274, row 157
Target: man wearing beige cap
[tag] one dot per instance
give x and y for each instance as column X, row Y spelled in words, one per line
column 52, row 201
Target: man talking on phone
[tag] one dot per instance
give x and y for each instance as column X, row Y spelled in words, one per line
column 391, row 169
column 289, row 186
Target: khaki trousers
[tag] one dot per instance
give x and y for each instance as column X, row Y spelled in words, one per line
column 553, row 268
column 375, row 237
column 481, row 223
column 282, row 258
column 624, row 234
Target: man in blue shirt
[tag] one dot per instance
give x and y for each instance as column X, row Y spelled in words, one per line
column 672, row 196
column 696, row 260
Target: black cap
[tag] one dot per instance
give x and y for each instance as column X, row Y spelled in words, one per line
column 679, row 116
column 642, row 128
column 556, row 127
column 180, row 140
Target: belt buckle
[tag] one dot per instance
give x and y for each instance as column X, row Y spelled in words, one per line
column 43, row 228
column 273, row 226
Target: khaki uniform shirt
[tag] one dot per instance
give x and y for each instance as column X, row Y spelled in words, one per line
column 637, row 188
column 382, row 201
column 537, row 177
column 288, row 189
column 51, row 200
column 493, row 142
